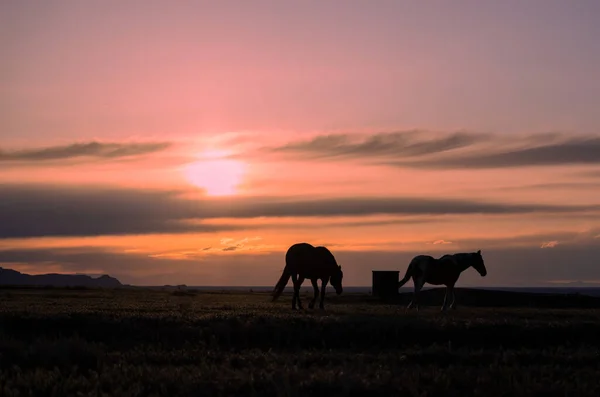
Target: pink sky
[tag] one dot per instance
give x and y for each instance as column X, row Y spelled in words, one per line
column 194, row 143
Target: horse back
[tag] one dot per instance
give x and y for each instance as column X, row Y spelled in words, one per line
column 443, row 271
column 309, row 261
column 299, row 252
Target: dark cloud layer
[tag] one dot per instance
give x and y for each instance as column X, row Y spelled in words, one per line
column 90, row 149
column 34, row 210
column 28, row 211
column 417, row 149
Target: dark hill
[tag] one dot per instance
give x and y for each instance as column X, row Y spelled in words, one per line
column 13, row 277
column 487, row 298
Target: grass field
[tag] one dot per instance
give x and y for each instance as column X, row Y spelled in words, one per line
column 161, row 343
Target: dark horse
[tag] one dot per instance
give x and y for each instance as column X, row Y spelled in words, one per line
column 303, row 261
column 443, row 271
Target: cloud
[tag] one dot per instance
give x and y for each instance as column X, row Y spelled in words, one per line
column 30, row 211
column 394, row 144
column 237, row 245
column 549, row 240
column 579, row 239
column 595, row 173
column 353, row 206
column 426, row 150
column 572, row 151
column 549, row 244
column 36, row 210
column 91, row 149
column 552, row 186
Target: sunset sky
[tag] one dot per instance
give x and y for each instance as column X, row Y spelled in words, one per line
column 193, row 142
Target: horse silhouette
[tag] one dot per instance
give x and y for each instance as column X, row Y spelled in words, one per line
column 443, row 271
column 303, row 261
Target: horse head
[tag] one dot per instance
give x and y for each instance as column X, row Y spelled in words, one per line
column 336, row 280
column 478, row 263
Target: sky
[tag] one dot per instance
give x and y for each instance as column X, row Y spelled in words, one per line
column 194, row 142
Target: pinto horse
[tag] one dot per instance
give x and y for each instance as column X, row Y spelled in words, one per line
column 443, row 271
column 303, row 261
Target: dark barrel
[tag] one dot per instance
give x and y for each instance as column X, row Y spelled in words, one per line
column 385, row 283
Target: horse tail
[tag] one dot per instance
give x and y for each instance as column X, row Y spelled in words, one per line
column 283, row 280
column 408, row 274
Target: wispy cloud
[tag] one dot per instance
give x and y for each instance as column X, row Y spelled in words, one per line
column 393, row 144
column 426, row 150
column 549, row 244
column 98, row 150
column 233, row 245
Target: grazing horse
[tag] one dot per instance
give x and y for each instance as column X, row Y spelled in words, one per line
column 303, row 261
column 443, row 271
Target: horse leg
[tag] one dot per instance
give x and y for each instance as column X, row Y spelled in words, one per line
column 418, row 282
column 412, row 301
column 297, row 283
column 294, row 284
column 323, row 287
column 448, row 289
column 311, row 305
column 297, row 292
column 453, row 304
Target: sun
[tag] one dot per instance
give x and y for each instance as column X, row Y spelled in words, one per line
column 218, row 176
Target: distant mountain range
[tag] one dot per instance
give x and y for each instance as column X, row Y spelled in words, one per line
column 13, row 277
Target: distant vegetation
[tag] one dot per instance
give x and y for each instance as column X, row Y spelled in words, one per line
column 13, row 277
column 139, row 342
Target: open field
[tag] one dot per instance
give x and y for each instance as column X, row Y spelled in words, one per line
column 61, row 342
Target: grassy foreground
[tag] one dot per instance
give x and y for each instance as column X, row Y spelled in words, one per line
column 160, row 343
